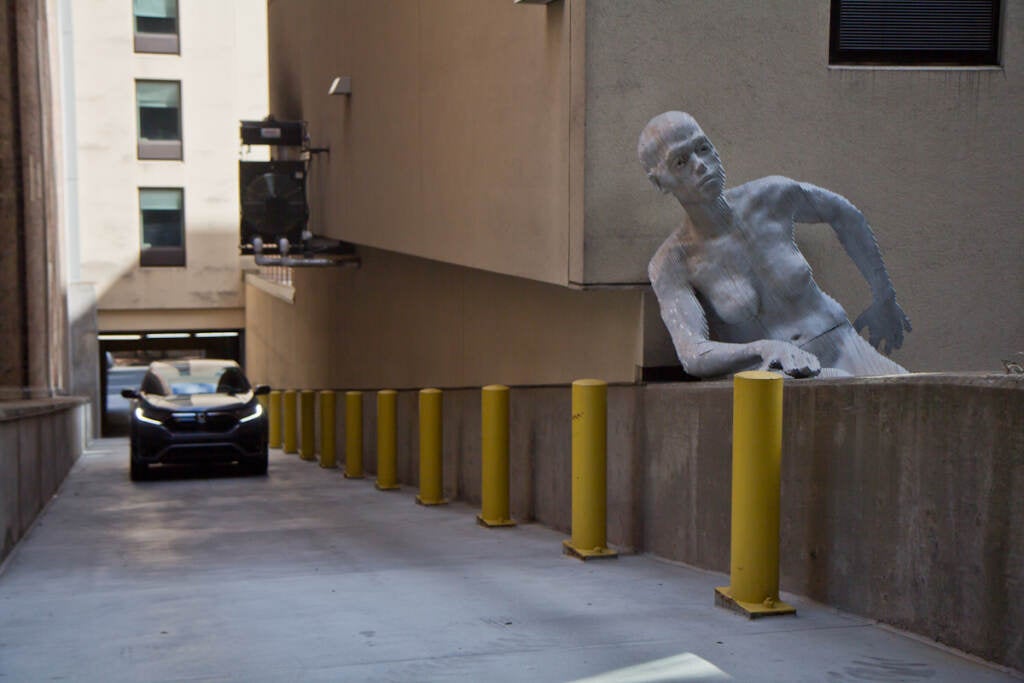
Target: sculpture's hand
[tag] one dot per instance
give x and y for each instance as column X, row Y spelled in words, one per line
column 886, row 322
column 780, row 355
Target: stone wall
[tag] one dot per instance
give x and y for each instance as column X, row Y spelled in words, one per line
column 33, row 311
column 39, row 442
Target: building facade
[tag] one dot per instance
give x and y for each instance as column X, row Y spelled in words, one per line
column 485, row 165
column 159, row 87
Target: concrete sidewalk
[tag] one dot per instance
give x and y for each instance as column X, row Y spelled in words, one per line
column 307, row 576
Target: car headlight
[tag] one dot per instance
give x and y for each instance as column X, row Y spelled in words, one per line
column 140, row 415
column 249, row 414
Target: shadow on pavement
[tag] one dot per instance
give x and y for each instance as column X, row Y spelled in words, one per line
column 198, row 471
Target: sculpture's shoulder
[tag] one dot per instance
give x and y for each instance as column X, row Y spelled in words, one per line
column 669, row 260
column 773, row 190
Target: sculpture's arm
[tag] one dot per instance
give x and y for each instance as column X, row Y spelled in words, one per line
column 884, row 318
column 701, row 357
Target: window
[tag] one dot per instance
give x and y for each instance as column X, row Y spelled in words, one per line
column 161, row 215
column 156, row 26
column 941, row 32
column 159, row 105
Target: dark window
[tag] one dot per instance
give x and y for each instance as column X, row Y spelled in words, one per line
column 161, row 215
column 159, row 123
column 159, row 119
column 941, row 32
column 156, row 25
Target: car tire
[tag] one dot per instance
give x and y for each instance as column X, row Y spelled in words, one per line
column 259, row 465
column 139, row 471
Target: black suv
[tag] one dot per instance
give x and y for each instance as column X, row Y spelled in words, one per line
column 197, row 411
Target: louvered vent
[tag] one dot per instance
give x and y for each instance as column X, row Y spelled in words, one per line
column 915, row 31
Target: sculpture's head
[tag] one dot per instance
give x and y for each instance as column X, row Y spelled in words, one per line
column 679, row 159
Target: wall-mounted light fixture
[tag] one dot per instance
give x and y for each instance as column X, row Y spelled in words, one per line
column 341, row 85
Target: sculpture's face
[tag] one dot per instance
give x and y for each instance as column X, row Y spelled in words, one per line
column 681, row 160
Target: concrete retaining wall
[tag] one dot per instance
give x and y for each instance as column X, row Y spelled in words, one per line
column 902, row 498
column 39, row 442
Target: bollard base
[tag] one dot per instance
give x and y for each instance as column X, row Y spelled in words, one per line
column 386, row 487
column 494, row 523
column 751, row 610
column 439, row 501
column 355, row 476
column 587, row 553
column 307, row 458
column 328, row 466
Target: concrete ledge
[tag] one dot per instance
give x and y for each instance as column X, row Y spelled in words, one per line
column 18, row 410
column 902, row 497
column 40, row 440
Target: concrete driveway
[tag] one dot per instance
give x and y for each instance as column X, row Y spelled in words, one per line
column 306, row 576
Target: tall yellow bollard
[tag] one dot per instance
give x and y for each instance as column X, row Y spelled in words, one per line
column 756, row 475
column 589, row 471
column 327, row 456
column 431, row 449
column 494, row 462
column 387, row 437
column 353, row 435
column 307, row 441
column 291, row 432
column 274, row 419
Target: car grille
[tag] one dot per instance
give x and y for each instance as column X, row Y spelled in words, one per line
column 201, row 422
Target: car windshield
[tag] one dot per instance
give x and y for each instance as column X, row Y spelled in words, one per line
column 187, row 378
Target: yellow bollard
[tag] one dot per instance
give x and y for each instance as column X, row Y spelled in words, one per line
column 756, row 475
column 494, row 462
column 327, row 457
column 274, row 419
column 307, row 442
column 353, row 435
column 431, row 449
column 291, row 434
column 387, row 437
column 589, row 471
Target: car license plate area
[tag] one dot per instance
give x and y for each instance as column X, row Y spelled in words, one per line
column 202, row 422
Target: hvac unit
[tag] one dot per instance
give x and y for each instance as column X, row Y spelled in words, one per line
column 273, row 197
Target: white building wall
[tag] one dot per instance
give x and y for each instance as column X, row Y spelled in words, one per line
column 222, row 68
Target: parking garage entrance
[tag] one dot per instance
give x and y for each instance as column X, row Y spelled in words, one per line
column 124, row 357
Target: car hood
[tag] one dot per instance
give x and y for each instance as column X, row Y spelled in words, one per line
column 198, row 402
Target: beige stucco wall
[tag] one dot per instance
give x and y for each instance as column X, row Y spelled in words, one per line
column 454, row 143
column 222, row 69
column 136, row 319
column 405, row 322
column 930, row 156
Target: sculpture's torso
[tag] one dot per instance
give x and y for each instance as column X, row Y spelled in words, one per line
column 752, row 280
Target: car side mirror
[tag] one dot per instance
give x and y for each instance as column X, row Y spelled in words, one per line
column 261, row 389
column 129, row 393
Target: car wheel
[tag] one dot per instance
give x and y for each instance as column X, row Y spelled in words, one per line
column 139, row 470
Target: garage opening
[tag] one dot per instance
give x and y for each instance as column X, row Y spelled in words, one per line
column 125, row 355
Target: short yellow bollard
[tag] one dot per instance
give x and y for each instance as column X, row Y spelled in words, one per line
column 753, row 587
column 354, row 435
column 494, row 461
column 307, row 441
column 327, row 456
column 291, row 432
column 387, row 437
column 431, row 449
column 274, row 419
column 589, row 471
